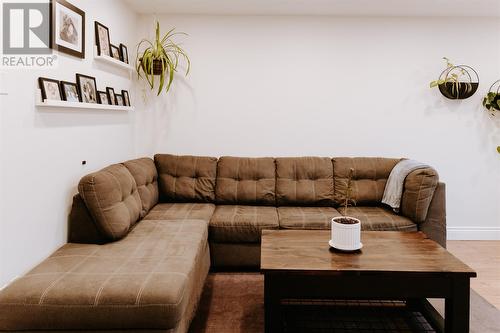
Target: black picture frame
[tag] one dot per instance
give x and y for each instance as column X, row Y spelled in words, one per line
column 119, row 100
column 45, row 93
column 111, row 95
column 103, row 46
column 126, row 98
column 61, row 37
column 65, row 95
column 115, row 52
column 100, row 95
column 124, row 53
column 87, row 92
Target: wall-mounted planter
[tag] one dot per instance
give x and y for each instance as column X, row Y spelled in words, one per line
column 468, row 82
column 491, row 101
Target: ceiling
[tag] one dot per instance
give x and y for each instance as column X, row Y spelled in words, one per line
column 454, row 8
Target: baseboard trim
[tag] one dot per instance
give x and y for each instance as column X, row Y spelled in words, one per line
column 473, row 233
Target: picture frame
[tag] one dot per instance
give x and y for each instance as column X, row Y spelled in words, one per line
column 50, row 88
column 124, row 53
column 126, row 98
column 102, row 39
column 103, row 97
column 119, row 100
column 111, row 95
column 87, row 88
column 67, row 28
column 69, row 92
column 115, row 52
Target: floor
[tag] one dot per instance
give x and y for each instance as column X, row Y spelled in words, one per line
column 484, row 257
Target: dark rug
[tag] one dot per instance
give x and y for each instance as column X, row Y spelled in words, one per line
column 234, row 302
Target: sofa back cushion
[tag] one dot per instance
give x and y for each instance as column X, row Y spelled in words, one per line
column 249, row 181
column 186, row 178
column 146, row 177
column 304, row 181
column 112, row 199
column 368, row 181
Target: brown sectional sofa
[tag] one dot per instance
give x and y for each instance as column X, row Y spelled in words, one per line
column 144, row 233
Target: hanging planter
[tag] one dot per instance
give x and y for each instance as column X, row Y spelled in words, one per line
column 491, row 101
column 159, row 59
column 457, row 81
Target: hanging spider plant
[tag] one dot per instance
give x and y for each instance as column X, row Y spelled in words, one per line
column 160, row 58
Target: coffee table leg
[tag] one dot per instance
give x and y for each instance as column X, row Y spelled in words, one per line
column 273, row 316
column 456, row 316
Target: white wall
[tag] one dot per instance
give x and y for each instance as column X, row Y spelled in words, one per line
column 43, row 149
column 337, row 86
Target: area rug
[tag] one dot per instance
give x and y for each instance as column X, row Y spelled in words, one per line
column 234, row 303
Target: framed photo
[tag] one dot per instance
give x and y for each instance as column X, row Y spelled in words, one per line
column 119, row 99
column 50, row 89
column 102, row 39
column 126, row 98
column 69, row 91
column 111, row 95
column 103, row 97
column 124, row 53
column 67, row 28
column 87, row 88
column 115, row 52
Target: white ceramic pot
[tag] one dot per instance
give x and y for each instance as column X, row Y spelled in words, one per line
column 346, row 237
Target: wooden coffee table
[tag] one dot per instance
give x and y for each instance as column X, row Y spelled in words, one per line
column 298, row 264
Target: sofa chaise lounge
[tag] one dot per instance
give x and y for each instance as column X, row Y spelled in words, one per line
column 143, row 234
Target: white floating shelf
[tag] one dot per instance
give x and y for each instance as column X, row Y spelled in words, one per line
column 77, row 105
column 112, row 61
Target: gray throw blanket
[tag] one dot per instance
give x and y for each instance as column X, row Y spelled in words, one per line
column 394, row 187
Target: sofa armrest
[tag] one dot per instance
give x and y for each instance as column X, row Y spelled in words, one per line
column 418, row 191
column 434, row 225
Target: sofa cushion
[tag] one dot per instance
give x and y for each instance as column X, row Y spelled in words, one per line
column 112, row 199
column 369, row 178
column 186, row 178
column 146, row 177
column 306, row 217
column 241, row 224
column 250, row 181
column 144, row 281
column 419, row 188
column 181, row 211
column 380, row 218
column 304, row 181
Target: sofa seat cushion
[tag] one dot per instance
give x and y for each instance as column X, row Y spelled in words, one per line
column 241, row 224
column 181, row 211
column 380, row 218
column 144, row 281
column 306, row 217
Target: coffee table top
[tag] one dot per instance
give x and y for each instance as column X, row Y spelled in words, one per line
column 383, row 252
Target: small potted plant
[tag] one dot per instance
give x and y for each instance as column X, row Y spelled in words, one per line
column 457, row 82
column 346, row 230
column 492, row 102
column 160, row 57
